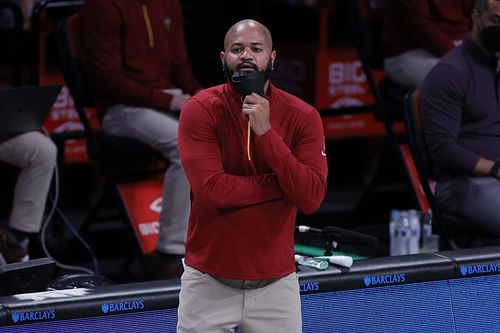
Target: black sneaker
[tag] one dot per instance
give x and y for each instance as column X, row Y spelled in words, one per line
column 11, row 252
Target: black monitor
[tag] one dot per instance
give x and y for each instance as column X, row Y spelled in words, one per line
column 24, row 277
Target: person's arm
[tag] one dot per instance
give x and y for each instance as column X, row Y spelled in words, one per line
column 424, row 27
column 484, row 167
column 202, row 161
column 182, row 74
column 302, row 171
column 442, row 103
column 101, row 33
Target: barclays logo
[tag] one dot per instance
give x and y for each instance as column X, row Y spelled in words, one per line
column 479, row 269
column 384, row 279
column 33, row 316
column 122, row 306
column 309, row 286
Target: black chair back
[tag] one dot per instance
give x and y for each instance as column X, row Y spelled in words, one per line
column 71, row 55
column 416, row 141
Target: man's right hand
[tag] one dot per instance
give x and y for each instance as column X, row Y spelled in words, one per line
column 178, row 101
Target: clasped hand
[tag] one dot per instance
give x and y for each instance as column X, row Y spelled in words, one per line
column 256, row 108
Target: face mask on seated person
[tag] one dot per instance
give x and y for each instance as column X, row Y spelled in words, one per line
column 490, row 38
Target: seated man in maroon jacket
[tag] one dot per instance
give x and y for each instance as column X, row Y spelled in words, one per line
column 138, row 66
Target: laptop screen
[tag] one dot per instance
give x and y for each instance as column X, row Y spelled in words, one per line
column 25, row 109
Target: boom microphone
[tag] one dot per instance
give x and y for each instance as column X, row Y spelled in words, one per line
column 351, row 236
column 342, row 234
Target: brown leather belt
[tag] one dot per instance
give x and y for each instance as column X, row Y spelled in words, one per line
column 243, row 284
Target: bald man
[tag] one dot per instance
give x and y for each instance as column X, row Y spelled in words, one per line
column 254, row 155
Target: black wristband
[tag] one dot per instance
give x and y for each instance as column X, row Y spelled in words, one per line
column 494, row 169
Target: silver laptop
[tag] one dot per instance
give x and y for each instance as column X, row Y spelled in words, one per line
column 25, row 109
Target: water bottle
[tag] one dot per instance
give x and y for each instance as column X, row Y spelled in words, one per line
column 404, row 232
column 395, row 233
column 414, row 232
column 430, row 242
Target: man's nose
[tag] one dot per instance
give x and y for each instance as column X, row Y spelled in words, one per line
column 247, row 53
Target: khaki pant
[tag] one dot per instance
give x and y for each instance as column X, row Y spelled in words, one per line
column 209, row 305
column 36, row 155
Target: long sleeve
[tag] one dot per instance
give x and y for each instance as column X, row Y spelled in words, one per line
column 302, row 172
column 442, row 105
column 202, row 161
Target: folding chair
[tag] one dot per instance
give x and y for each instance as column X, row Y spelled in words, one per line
column 367, row 27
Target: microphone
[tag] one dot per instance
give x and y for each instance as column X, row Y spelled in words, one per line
column 351, row 236
column 344, row 261
column 342, row 234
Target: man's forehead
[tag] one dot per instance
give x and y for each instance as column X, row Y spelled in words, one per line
column 245, row 25
column 248, row 32
column 254, row 33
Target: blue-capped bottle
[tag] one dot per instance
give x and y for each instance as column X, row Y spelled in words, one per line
column 394, row 233
column 414, row 231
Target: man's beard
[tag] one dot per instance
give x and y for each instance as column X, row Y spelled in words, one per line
column 228, row 73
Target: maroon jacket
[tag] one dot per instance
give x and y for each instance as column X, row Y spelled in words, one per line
column 134, row 50
column 429, row 24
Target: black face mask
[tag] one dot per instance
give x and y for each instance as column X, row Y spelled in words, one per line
column 490, row 38
column 248, row 82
